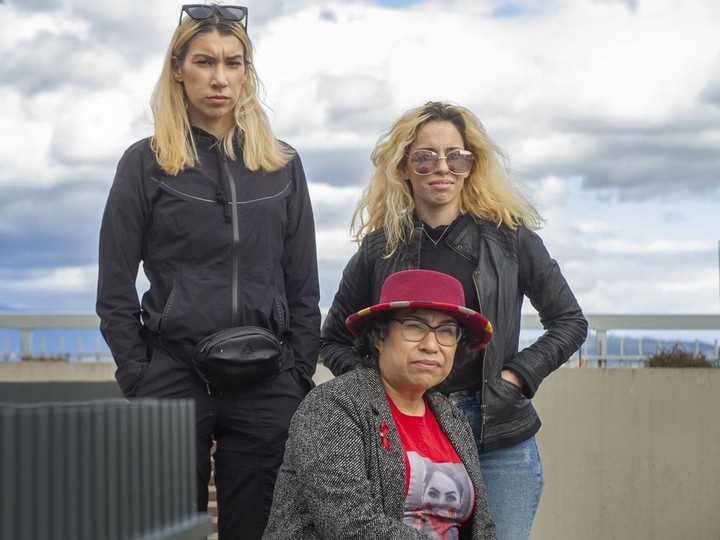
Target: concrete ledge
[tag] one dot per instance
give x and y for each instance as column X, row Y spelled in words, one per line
column 66, row 371
column 56, row 371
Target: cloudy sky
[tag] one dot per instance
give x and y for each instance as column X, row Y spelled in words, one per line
column 608, row 109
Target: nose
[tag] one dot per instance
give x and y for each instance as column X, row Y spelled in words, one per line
column 442, row 165
column 219, row 78
column 430, row 342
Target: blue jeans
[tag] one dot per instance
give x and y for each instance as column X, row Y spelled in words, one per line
column 513, row 476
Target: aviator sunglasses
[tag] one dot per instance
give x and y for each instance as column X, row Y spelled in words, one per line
column 426, row 162
column 205, row 11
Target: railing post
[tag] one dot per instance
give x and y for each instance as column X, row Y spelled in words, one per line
column 26, row 344
column 601, row 336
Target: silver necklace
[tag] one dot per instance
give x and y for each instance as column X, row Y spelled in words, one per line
column 435, row 242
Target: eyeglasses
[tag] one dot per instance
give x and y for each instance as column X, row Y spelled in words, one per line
column 200, row 12
column 415, row 330
column 426, row 161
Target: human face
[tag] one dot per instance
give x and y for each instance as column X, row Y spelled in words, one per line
column 212, row 73
column 437, row 195
column 408, row 368
column 442, row 493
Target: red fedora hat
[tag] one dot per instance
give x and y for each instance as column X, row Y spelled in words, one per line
column 425, row 289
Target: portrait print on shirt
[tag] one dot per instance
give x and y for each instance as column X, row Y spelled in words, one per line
column 439, row 499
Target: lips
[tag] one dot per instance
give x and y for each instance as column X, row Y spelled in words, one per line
column 218, row 99
column 426, row 364
column 441, row 183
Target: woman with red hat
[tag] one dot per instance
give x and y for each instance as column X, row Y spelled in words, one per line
column 441, row 199
column 377, row 453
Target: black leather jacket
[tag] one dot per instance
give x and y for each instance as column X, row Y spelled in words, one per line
column 510, row 265
column 221, row 246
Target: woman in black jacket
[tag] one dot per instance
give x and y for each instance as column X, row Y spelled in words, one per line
column 440, row 199
column 218, row 212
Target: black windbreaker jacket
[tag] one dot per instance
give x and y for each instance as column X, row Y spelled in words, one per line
column 510, row 265
column 221, row 246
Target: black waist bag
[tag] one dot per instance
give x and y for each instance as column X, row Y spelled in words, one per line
column 238, row 356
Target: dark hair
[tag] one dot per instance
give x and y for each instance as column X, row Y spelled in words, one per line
column 454, row 472
column 432, row 468
column 376, row 329
column 437, row 111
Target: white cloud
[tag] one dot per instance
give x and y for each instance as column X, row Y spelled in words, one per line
column 69, row 280
column 333, row 246
column 552, row 190
column 608, row 110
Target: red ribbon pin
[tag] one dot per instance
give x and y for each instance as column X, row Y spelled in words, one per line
column 383, row 435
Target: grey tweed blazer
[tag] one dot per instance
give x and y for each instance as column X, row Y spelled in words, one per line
column 338, row 481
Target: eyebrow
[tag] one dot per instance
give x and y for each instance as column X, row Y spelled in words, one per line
column 213, row 57
column 449, row 320
column 449, row 148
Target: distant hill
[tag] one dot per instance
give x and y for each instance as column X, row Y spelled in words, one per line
column 649, row 346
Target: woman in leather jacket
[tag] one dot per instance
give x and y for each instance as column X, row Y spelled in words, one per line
column 218, row 212
column 440, row 199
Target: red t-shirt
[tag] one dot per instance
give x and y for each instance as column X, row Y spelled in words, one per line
column 439, row 496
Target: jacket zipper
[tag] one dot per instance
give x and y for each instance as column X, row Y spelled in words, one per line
column 236, row 239
column 483, row 405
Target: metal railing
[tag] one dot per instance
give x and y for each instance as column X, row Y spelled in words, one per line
column 29, row 323
column 593, row 352
column 601, row 325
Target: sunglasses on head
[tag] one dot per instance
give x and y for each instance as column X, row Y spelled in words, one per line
column 200, row 12
column 426, row 161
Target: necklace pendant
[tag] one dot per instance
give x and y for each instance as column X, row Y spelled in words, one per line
column 435, row 242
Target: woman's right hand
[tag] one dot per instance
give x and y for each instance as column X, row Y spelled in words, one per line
column 128, row 375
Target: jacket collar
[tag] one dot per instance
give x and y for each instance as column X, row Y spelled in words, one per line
column 460, row 223
column 202, row 136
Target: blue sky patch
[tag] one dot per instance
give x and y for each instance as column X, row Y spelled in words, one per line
column 509, row 9
column 398, row 3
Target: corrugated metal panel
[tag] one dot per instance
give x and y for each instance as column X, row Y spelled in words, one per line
column 109, row 469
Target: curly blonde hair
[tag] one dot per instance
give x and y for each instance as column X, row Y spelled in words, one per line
column 488, row 193
column 172, row 141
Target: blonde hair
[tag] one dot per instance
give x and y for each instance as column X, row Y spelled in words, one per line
column 172, row 141
column 488, row 192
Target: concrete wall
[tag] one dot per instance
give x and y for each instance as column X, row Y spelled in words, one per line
column 628, row 453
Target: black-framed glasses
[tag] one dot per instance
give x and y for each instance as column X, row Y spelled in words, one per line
column 416, row 330
column 205, row 11
column 426, row 161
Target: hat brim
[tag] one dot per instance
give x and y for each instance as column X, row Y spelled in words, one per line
column 478, row 328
